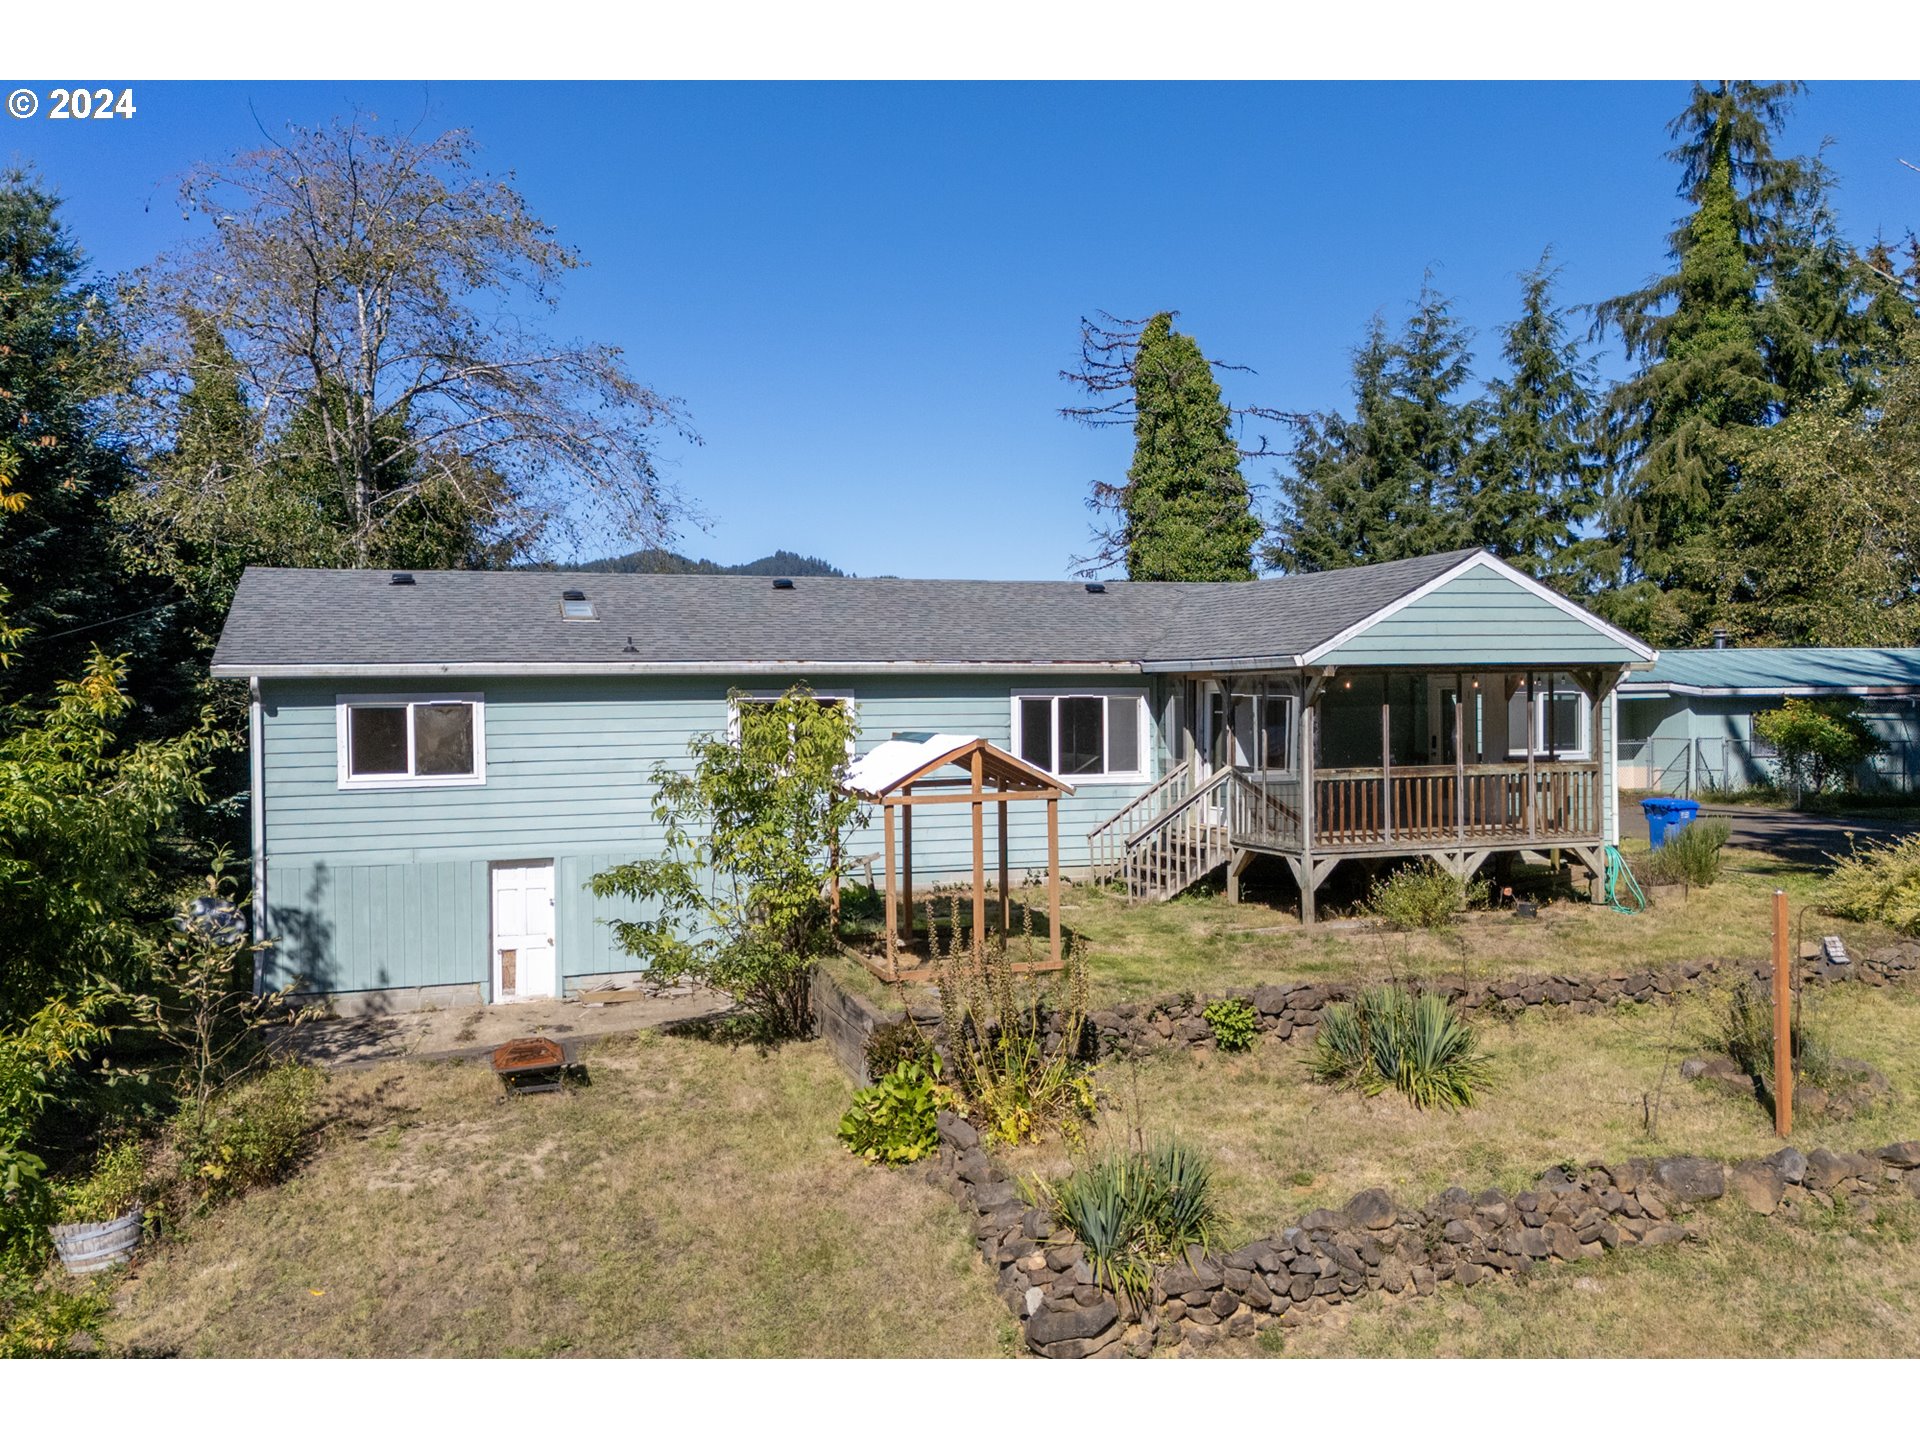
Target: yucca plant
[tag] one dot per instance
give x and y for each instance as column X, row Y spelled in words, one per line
column 1417, row 1044
column 1135, row 1209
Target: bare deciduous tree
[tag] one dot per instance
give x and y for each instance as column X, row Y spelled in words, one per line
column 371, row 291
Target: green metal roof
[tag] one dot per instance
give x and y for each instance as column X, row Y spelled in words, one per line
column 1798, row 671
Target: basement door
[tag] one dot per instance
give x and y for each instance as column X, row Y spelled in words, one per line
column 525, row 963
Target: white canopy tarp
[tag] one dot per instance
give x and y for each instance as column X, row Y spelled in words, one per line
column 891, row 761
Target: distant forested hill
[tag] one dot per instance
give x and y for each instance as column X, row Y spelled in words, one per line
column 667, row 562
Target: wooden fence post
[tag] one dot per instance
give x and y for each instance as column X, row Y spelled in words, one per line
column 1782, row 1021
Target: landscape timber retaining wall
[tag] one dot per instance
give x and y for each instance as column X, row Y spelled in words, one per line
column 1372, row 1244
column 844, row 1020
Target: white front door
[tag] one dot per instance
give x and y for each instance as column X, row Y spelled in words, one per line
column 525, row 963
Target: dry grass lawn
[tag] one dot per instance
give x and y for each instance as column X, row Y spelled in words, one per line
column 1567, row 1088
column 691, row 1201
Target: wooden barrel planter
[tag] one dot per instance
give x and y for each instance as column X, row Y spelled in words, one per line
column 87, row 1248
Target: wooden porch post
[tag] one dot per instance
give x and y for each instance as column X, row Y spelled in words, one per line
column 1309, row 723
column 1386, row 753
column 1006, row 909
column 1053, row 879
column 906, row 867
column 1460, row 755
column 886, row 826
column 979, row 808
column 1532, row 773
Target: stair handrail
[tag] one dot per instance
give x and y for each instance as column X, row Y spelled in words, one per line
column 1146, row 852
column 1110, row 838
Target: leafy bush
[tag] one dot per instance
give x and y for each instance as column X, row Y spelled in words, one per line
column 753, row 835
column 1234, row 1023
column 118, row 1179
column 38, row 1320
column 38, row 1064
column 1134, row 1210
column 1421, row 896
column 891, row 1121
column 1014, row 1082
column 1744, row 1030
column 250, row 1135
column 1818, row 741
column 1391, row 1037
column 1877, row 882
column 893, row 1042
column 1692, row 855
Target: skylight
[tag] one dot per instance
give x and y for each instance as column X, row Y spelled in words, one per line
column 574, row 605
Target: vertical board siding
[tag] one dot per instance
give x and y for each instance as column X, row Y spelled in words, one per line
column 374, row 889
column 1481, row 618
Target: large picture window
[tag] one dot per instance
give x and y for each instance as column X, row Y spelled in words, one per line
column 406, row 740
column 1561, row 717
column 1082, row 737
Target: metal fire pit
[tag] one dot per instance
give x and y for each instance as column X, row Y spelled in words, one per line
column 530, row 1066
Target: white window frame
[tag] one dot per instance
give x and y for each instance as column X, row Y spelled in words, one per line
column 767, row 697
column 343, row 704
column 1583, row 708
column 1143, row 760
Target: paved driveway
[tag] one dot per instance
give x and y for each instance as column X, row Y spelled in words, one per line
column 1788, row 834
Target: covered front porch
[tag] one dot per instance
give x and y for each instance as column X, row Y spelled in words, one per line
column 1369, row 764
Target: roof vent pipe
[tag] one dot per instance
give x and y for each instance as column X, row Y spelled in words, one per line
column 783, row 584
column 1719, row 637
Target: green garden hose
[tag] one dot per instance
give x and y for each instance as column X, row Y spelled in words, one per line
column 1616, row 872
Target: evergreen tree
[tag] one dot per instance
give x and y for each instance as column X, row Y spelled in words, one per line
column 58, row 359
column 1185, row 512
column 1758, row 312
column 1393, row 481
column 1536, row 477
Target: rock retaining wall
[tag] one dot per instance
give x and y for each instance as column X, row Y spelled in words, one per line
column 1374, row 1245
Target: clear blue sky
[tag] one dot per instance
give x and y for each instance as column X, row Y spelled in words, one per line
column 864, row 293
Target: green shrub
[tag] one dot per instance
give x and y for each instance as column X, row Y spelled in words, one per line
column 891, row 1121
column 1744, row 1030
column 1133, row 1210
column 893, row 1042
column 1234, row 1023
column 1692, row 855
column 117, row 1180
column 1421, row 896
column 1818, row 742
column 1392, row 1038
column 1877, row 882
column 38, row 1320
column 1019, row 1070
column 249, row 1135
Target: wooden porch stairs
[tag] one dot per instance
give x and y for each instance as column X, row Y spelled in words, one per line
column 1169, row 838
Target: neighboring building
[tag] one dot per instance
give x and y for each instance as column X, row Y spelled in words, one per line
column 1686, row 725
column 442, row 760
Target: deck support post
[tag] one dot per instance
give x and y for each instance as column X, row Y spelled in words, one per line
column 979, row 854
column 1006, row 909
column 1053, row 880
column 906, row 868
column 1533, row 726
column 893, row 932
column 1386, row 754
column 1237, row 863
column 1460, row 756
column 1309, row 715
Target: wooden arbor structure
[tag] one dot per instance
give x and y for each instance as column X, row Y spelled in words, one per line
column 904, row 774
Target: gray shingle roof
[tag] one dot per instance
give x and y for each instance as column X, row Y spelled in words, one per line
column 288, row 620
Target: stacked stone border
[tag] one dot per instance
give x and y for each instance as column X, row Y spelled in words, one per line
column 1291, row 1012
column 1373, row 1245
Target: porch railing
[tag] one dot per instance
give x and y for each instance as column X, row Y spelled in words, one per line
column 1419, row 805
column 1107, row 842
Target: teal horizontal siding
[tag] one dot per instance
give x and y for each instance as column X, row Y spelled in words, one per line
column 1481, row 619
column 375, row 889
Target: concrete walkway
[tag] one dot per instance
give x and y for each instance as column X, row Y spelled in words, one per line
column 468, row 1031
column 1786, row 834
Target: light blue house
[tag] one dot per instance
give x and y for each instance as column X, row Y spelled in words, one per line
column 1686, row 725
column 442, row 760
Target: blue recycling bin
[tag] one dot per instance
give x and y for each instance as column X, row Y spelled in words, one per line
column 1679, row 813
column 1658, row 809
